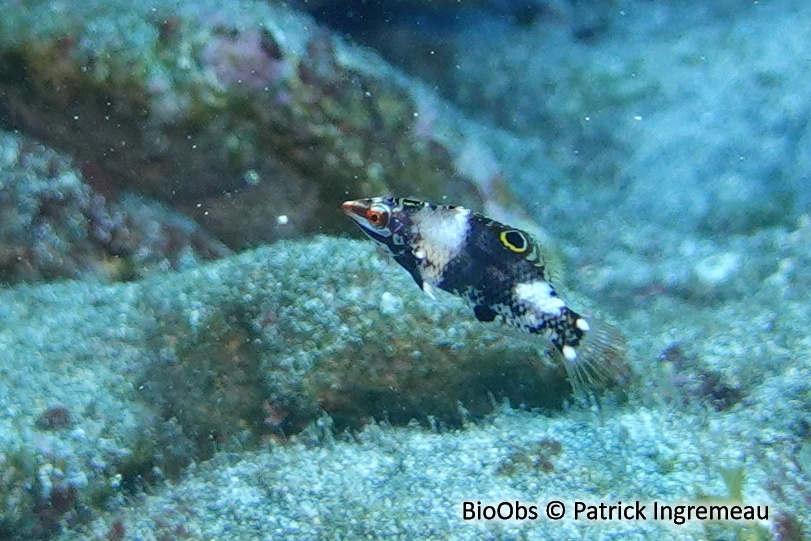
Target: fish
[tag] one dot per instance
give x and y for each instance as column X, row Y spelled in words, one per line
column 503, row 273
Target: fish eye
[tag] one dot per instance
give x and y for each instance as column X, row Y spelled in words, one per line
column 378, row 216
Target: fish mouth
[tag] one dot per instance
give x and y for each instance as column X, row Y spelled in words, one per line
column 354, row 209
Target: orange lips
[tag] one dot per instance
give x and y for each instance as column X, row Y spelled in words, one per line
column 354, row 207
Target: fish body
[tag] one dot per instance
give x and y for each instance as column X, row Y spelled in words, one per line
column 499, row 270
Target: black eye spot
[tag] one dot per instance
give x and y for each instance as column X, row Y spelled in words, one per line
column 514, row 240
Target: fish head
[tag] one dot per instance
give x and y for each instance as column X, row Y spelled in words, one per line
column 385, row 220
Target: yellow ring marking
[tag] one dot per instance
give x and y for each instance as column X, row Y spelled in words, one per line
column 517, row 249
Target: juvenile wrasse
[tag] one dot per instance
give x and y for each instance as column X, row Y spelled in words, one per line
column 502, row 273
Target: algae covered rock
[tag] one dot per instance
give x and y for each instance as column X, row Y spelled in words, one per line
column 55, row 225
column 106, row 388
column 247, row 116
column 330, row 325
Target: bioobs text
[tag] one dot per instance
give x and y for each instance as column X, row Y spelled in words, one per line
column 503, row 511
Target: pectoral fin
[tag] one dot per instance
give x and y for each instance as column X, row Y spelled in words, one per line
column 483, row 313
column 429, row 290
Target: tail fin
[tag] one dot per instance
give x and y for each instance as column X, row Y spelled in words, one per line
column 600, row 358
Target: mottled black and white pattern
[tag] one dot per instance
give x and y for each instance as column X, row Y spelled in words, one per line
column 498, row 269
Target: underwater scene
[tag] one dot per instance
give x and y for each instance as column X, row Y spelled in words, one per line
column 405, row 269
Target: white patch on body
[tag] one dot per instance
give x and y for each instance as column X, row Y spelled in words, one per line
column 569, row 353
column 540, row 296
column 441, row 235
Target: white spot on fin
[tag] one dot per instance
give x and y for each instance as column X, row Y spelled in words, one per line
column 598, row 359
column 582, row 324
column 429, row 290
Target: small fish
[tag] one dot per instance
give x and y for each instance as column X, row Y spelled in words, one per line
column 500, row 270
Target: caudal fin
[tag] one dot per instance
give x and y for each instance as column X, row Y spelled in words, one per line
column 599, row 359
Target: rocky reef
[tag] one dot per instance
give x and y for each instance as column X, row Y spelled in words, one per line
column 54, row 225
column 226, row 356
column 248, row 117
column 147, row 391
